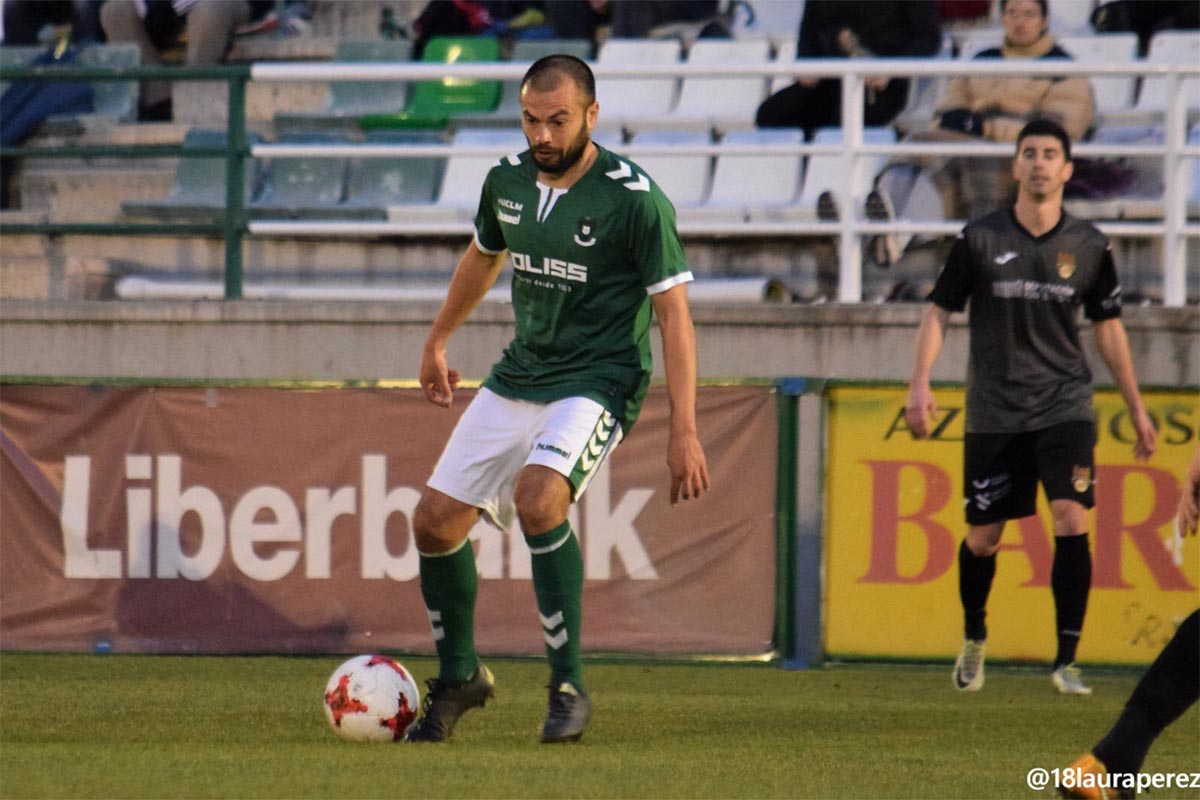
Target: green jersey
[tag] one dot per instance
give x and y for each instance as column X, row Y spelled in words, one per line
column 585, row 262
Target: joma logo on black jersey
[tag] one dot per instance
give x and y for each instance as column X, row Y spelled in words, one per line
column 553, row 267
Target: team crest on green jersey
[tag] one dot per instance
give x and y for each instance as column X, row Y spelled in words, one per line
column 584, row 232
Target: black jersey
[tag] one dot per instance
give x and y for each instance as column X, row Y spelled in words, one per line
column 1026, row 370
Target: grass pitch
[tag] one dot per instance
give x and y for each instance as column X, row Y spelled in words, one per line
column 83, row 726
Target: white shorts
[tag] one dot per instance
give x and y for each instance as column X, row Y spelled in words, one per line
column 496, row 437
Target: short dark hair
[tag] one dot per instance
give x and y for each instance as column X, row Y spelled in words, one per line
column 1045, row 127
column 1042, row 3
column 545, row 73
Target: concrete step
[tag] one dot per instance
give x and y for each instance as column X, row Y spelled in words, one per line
column 55, row 276
column 70, row 193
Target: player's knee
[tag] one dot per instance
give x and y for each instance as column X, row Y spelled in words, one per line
column 538, row 512
column 1070, row 518
column 431, row 533
column 981, row 544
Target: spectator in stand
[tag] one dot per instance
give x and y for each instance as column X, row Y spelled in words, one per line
column 984, row 107
column 836, row 29
column 210, row 25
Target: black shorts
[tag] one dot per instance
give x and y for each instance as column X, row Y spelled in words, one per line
column 1001, row 470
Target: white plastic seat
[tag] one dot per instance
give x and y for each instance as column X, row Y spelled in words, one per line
column 1071, row 17
column 1170, row 47
column 923, row 94
column 785, row 53
column 1114, row 93
column 723, row 103
column 683, row 178
column 976, row 40
column 458, row 199
column 753, row 185
column 625, row 101
column 775, row 19
column 824, row 173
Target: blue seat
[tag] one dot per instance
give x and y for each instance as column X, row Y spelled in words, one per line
column 301, row 187
column 349, row 100
column 198, row 191
column 374, row 184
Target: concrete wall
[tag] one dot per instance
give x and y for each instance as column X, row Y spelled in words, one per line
column 376, row 341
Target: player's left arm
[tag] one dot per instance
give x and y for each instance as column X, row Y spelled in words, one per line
column 1113, row 345
column 685, row 456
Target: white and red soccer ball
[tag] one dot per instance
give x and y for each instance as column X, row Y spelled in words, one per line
column 371, row 699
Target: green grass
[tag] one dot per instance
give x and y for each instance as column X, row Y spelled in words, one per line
column 163, row 726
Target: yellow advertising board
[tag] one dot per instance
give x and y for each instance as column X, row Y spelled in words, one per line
column 895, row 520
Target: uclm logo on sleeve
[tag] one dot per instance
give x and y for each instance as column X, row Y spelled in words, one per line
column 157, row 502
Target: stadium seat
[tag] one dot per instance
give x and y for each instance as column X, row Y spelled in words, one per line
column 114, row 101
column 721, row 103
column 785, row 53
column 1143, row 200
column 198, row 192
column 1170, row 47
column 824, row 173
column 1114, row 93
column 627, row 101
column 924, row 93
column 748, row 187
column 1071, row 18
column 301, row 187
column 349, row 100
column 778, row 20
column 683, row 178
column 458, row 198
column 374, row 184
column 975, row 40
column 525, row 51
column 17, row 56
column 435, row 103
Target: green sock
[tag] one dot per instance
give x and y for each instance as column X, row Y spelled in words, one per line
column 558, row 584
column 448, row 584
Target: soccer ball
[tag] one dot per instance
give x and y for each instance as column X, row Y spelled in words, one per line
column 371, row 699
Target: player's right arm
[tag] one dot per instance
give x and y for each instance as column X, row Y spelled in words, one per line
column 475, row 274
column 922, row 407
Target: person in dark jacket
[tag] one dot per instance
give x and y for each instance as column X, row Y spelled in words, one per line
column 834, row 29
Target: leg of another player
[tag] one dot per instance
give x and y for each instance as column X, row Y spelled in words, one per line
column 1169, row 687
column 1070, row 581
column 448, row 580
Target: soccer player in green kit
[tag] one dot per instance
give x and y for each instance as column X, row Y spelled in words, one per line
column 594, row 251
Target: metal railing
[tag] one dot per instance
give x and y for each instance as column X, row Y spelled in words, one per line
column 1174, row 228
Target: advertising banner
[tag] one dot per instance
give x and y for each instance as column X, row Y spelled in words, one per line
column 895, row 520
column 211, row 520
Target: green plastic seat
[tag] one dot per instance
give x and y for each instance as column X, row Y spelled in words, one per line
column 435, row 103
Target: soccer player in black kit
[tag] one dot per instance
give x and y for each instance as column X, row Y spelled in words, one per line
column 1026, row 269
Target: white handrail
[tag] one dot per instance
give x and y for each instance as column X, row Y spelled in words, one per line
column 1174, row 228
column 813, row 67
